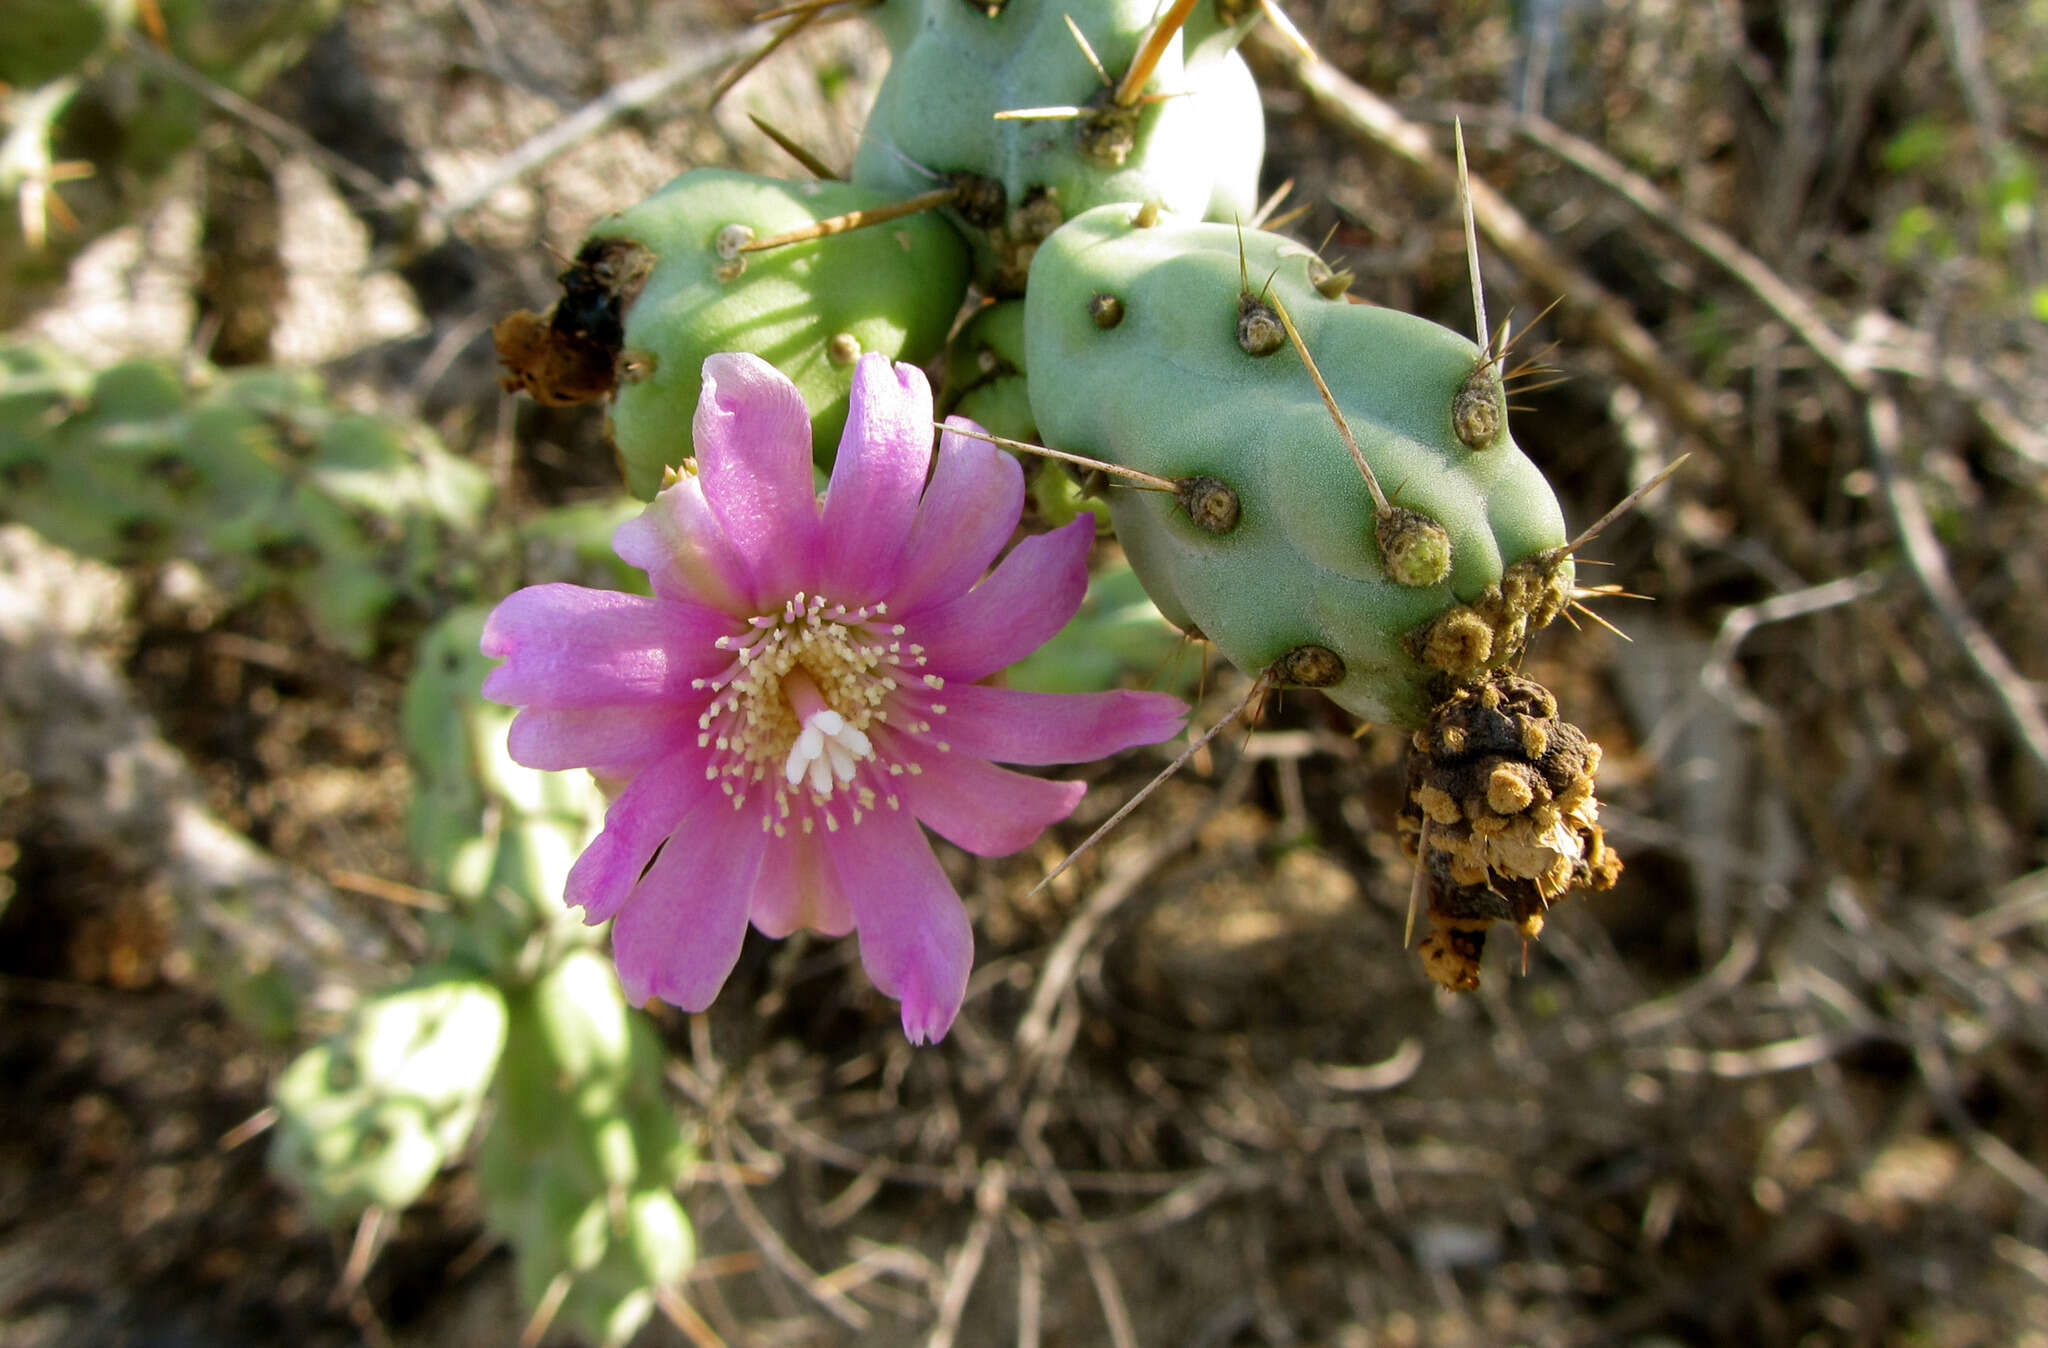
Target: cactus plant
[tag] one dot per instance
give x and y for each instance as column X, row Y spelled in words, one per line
column 1188, row 385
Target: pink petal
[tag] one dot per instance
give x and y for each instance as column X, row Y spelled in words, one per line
column 915, row 940
column 968, row 512
column 613, row 741
column 883, row 458
column 680, row 933
column 796, row 889
column 643, row 817
column 1010, row 726
column 682, row 547
column 1013, row 612
column 753, row 439
column 566, row 646
column 975, row 805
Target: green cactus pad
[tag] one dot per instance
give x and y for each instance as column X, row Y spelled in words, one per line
column 892, row 288
column 1168, row 390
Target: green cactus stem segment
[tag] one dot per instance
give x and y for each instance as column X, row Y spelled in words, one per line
column 1210, row 502
column 1168, row 391
column 1501, row 815
column 895, row 290
column 1105, row 310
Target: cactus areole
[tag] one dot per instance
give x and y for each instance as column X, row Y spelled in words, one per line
column 1170, row 390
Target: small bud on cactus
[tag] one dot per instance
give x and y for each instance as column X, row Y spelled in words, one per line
column 1480, row 409
column 1210, row 503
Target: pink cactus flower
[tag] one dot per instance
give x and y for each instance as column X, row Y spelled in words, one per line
column 805, row 689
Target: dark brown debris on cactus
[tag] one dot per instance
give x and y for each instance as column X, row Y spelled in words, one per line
column 1105, row 310
column 570, row 354
column 981, row 200
column 1500, row 791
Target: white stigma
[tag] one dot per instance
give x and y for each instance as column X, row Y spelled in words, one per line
column 826, row 752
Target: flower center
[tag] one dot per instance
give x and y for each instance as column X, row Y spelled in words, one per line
column 791, row 714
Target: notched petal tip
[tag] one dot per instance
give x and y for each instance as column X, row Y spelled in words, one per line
column 926, row 1020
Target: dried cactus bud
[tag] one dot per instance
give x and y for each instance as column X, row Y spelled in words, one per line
column 1500, row 798
column 1259, row 330
column 1309, row 667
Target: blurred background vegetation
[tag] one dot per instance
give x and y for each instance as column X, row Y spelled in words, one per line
column 1788, row 1083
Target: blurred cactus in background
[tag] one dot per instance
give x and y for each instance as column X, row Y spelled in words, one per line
column 89, row 123
column 256, row 475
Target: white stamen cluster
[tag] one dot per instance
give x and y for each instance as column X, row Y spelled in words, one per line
column 792, row 712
